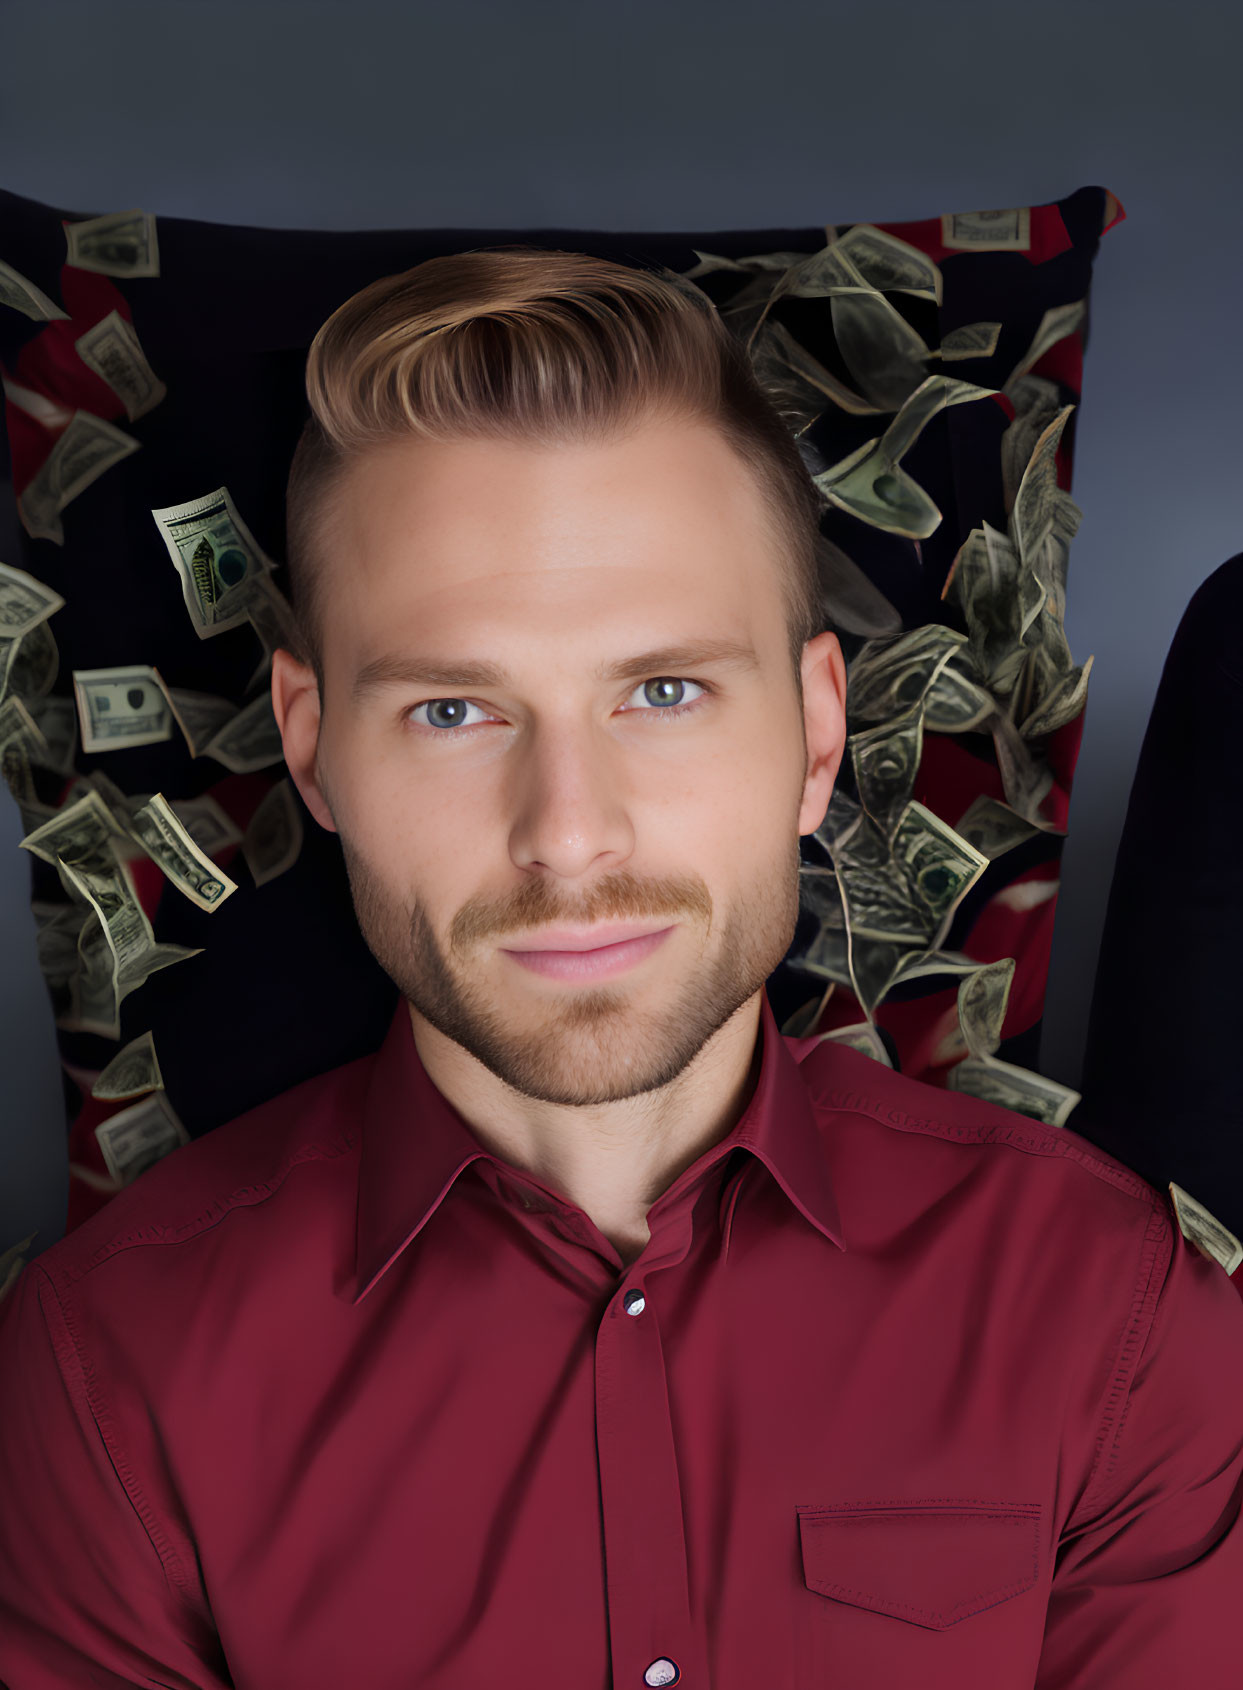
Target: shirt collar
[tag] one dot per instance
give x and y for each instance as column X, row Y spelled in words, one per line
column 414, row 1146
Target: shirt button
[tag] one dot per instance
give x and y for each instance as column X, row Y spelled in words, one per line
column 662, row 1671
column 635, row 1303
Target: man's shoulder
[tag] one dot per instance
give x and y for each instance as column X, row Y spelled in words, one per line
column 243, row 1161
column 879, row 1122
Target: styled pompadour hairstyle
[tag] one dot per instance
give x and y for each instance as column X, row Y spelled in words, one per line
column 524, row 343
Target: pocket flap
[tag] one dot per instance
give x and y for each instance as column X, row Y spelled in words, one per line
column 931, row 1563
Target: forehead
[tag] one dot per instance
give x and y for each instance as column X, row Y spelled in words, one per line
column 506, row 538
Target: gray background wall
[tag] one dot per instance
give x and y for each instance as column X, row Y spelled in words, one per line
column 661, row 114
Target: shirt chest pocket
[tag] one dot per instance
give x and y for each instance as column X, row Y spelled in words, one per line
column 931, row 1563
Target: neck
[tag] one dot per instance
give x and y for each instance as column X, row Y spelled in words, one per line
column 612, row 1160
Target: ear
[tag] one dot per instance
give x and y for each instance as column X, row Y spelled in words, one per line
column 823, row 670
column 295, row 704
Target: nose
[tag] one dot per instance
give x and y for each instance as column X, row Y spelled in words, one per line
column 569, row 801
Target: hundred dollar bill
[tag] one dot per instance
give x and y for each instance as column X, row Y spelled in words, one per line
column 132, row 1071
column 1037, row 498
column 29, row 664
column 20, row 294
column 80, row 832
column 869, row 482
column 1058, row 322
column 886, row 762
column 200, row 716
column 111, row 349
column 135, row 951
column 955, row 702
column 249, row 740
column 87, row 448
column 93, row 1004
column 987, row 231
column 24, row 602
column 798, row 384
column 22, row 749
column 216, row 556
column 890, row 264
column 134, row 1138
column 162, row 836
column 121, row 243
column 211, row 828
column 1036, row 402
column 881, row 350
column 993, row 828
column 1061, row 704
column 1010, row 1087
column 274, row 837
column 889, row 676
column 863, row 1036
column 271, row 616
column 1205, row 1231
column 982, row 1000
column 972, row 340
column 120, row 708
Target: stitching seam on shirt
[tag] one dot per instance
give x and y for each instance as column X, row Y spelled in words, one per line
column 242, row 1196
column 171, row 1563
column 1036, row 1141
column 1155, row 1254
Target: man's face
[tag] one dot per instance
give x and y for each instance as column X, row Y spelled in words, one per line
column 558, row 696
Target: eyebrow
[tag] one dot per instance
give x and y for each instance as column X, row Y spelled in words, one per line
column 397, row 669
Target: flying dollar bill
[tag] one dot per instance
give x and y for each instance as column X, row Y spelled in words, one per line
column 121, row 708
column 111, row 349
column 863, row 1036
column 216, row 556
column 87, row 448
column 134, row 1138
column 971, row 340
column 274, row 837
column 249, row 740
column 81, row 831
column 21, row 294
column 987, row 231
column 24, row 602
column 132, row 1071
column 890, row 264
column 982, row 1001
column 870, row 483
column 200, row 716
column 1011, row 1087
column 162, row 836
column 1204, row 1230
column 121, row 243
column 211, row 827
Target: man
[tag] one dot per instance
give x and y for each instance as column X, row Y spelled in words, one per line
column 592, row 1333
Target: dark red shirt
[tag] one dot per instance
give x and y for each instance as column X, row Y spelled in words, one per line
column 904, row 1390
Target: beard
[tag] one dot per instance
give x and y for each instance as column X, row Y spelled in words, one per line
column 588, row 1045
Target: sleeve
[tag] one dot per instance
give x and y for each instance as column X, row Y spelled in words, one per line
column 86, row 1596
column 1148, row 1586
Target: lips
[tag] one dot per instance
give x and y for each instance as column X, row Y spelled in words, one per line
column 581, row 957
column 587, row 938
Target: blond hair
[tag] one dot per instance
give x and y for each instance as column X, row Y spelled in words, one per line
column 525, row 343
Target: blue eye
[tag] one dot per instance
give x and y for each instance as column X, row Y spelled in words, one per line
column 445, row 712
column 665, row 696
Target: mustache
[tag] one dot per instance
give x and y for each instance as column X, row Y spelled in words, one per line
column 622, row 896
